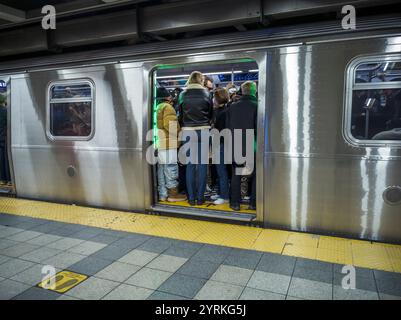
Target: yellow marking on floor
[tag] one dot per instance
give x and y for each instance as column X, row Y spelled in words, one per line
column 324, row 248
column 209, row 206
column 62, row 281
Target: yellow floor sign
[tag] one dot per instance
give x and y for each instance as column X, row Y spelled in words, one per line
column 62, row 281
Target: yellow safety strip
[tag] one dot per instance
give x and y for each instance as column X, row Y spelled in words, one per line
column 359, row 253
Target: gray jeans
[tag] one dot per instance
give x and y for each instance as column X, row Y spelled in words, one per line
column 167, row 178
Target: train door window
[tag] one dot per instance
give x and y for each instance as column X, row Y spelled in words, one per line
column 5, row 172
column 374, row 101
column 70, row 110
column 228, row 74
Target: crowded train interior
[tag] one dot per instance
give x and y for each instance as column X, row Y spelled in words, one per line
column 229, row 75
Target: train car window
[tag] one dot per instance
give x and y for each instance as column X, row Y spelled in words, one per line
column 375, row 102
column 71, row 110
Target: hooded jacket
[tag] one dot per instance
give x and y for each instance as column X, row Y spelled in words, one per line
column 167, row 126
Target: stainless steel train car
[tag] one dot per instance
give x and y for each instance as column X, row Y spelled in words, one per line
column 320, row 167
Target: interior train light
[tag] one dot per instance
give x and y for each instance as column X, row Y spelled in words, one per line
column 253, row 70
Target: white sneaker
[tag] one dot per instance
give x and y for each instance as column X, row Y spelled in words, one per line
column 220, row 201
column 214, row 197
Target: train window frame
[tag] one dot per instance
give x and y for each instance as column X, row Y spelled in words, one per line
column 351, row 86
column 50, row 100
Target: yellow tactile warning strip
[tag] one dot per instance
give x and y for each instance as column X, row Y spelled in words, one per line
column 331, row 249
column 210, row 206
column 62, row 281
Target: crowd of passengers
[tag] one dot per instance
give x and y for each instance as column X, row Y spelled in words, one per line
column 196, row 110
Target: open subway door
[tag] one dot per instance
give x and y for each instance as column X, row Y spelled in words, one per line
column 227, row 74
column 6, row 183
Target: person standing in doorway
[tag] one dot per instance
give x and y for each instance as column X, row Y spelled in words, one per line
column 195, row 115
column 242, row 115
column 167, row 130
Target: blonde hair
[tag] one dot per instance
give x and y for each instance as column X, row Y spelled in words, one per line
column 249, row 88
column 196, row 77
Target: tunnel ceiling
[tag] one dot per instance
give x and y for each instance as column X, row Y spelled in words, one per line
column 87, row 24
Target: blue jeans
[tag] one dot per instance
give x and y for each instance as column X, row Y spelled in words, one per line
column 167, row 175
column 223, row 176
column 196, row 173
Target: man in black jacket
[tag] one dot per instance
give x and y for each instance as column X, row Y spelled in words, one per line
column 242, row 115
column 195, row 114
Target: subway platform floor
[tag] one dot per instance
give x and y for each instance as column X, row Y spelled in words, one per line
column 114, row 263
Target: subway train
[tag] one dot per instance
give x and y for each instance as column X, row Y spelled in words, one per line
column 328, row 159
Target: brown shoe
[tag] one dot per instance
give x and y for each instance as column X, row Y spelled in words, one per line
column 174, row 196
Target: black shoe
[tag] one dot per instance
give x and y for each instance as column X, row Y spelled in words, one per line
column 200, row 202
column 235, row 207
column 191, row 202
column 252, row 207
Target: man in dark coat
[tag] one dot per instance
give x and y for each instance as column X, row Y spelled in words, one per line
column 242, row 115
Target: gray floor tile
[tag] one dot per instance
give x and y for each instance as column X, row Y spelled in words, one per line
column 212, row 253
column 275, row 263
column 40, row 254
column 255, row 294
column 384, row 285
column 314, row 274
column 105, row 239
column 87, row 248
column 9, row 289
column 31, row 276
column 63, row 232
column 24, row 236
column 93, row 289
column 158, row 295
column 28, row 224
column 166, row 263
column 199, row 268
column 182, row 285
column 89, row 266
column 4, row 259
column 363, row 283
column 18, row 249
column 293, row 298
column 118, row 271
column 64, row 243
column 5, row 243
column 384, row 296
column 353, row 294
column 66, row 297
column 138, row 257
column 9, row 231
column 156, row 245
column 309, row 289
column 132, row 242
column 128, row 292
column 46, row 227
column 214, row 290
column 247, row 259
column 86, row 234
column 148, row 278
column 314, row 264
column 13, row 267
column 232, row 275
column 64, row 260
column 44, row 239
column 272, row 282
column 111, row 252
column 180, row 252
column 35, row 293
column 385, row 275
